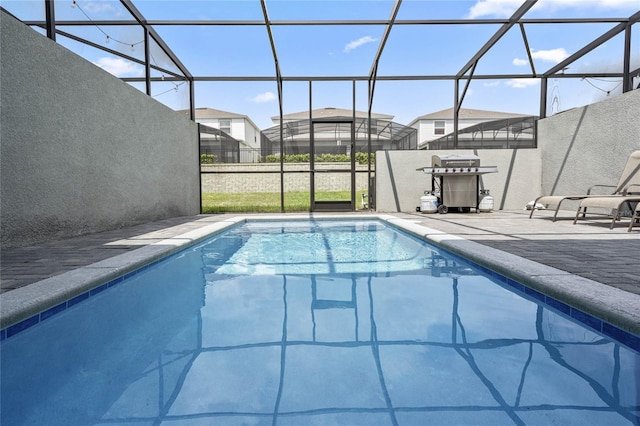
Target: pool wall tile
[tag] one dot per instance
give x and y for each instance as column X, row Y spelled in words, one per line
column 535, row 294
column 621, row 336
column 114, row 282
column 22, row 325
column 3, row 334
column 565, row 309
column 516, row 285
column 78, row 299
column 586, row 319
column 485, row 270
column 52, row 311
column 499, row 277
column 98, row 289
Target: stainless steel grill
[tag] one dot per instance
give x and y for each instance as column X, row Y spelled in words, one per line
column 454, row 179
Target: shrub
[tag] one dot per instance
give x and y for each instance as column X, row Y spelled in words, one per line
column 208, row 158
column 361, row 158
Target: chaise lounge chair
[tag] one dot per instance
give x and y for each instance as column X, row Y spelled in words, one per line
column 635, row 218
column 614, row 204
column 630, row 176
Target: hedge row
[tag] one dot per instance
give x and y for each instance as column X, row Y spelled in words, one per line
column 361, row 158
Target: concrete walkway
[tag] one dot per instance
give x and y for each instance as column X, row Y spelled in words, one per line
column 589, row 249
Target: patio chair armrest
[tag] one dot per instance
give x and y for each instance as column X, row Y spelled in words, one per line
column 599, row 186
column 627, row 190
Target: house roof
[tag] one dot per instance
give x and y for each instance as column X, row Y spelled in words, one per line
column 467, row 114
column 212, row 113
column 329, row 112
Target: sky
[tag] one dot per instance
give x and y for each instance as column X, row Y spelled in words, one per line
column 341, row 50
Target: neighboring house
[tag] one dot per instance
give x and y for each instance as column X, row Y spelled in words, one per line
column 438, row 124
column 240, row 127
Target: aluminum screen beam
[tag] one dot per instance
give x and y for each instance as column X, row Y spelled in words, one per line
column 267, row 25
column 273, row 50
column 150, row 32
column 156, row 37
column 515, row 18
column 50, row 13
column 595, row 43
column 526, row 46
column 378, row 78
column 383, row 41
column 379, row 22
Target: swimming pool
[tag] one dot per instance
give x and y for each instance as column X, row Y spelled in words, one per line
column 328, row 322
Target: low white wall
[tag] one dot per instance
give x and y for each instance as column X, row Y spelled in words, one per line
column 263, row 179
column 588, row 145
column 82, row 151
column 399, row 186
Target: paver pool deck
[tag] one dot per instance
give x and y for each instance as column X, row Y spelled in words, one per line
column 597, row 267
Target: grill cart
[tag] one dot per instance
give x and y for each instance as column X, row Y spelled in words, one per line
column 454, row 179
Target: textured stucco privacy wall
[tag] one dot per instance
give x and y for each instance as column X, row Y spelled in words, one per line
column 588, row 145
column 81, row 151
column 399, row 186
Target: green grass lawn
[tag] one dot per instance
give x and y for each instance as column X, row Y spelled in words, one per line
column 268, row 202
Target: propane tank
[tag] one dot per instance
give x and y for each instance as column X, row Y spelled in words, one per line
column 428, row 203
column 486, row 201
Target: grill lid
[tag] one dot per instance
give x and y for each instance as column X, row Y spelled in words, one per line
column 455, row 160
column 468, row 171
column 454, row 164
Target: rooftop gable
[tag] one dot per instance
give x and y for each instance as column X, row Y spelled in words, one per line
column 212, row 113
column 468, row 114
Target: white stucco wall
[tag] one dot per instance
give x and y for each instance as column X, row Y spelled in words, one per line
column 588, row 145
column 399, row 186
column 82, row 151
column 252, row 135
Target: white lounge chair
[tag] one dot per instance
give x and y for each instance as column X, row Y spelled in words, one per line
column 630, row 176
column 635, row 218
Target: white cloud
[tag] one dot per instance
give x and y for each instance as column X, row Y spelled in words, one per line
column 119, row 67
column 506, row 8
column 491, row 84
column 552, row 55
column 98, row 7
column 263, row 97
column 521, row 83
column 588, row 4
column 357, row 43
column 503, row 8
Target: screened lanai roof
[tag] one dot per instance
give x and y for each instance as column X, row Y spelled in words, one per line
column 513, row 132
column 186, row 46
column 380, row 129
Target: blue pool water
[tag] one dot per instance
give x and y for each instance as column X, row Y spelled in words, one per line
column 304, row 323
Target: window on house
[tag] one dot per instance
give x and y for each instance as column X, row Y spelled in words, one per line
column 438, row 127
column 225, row 126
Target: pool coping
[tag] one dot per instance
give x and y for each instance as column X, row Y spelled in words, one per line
column 611, row 305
